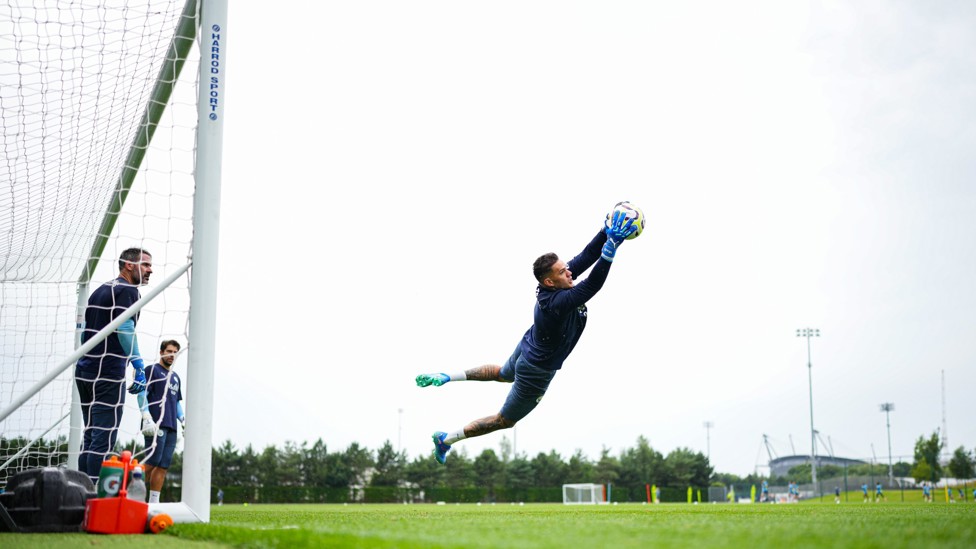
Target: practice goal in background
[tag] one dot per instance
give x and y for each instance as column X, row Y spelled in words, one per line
column 580, row 494
column 111, row 133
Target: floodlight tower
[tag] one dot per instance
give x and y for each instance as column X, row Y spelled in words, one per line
column 808, row 333
column 887, row 408
column 708, row 440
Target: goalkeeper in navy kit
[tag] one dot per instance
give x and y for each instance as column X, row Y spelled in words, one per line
column 100, row 374
column 559, row 319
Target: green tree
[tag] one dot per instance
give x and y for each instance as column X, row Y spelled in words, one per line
column 685, row 467
column 315, row 464
column 359, row 460
column 519, row 474
column 922, row 471
column 549, row 469
column 607, row 469
column 268, row 465
column 641, row 464
column 961, row 464
column 929, row 449
column 339, row 474
column 902, row 469
column 389, row 466
column 579, row 469
column 459, row 471
column 426, row 473
column 225, row 466
column 724, row 479
column 250, row 467
column 488, row 470
column 290, row 467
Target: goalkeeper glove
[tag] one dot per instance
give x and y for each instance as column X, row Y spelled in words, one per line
column 139, row 379
column 148, row 425
column 620, row 228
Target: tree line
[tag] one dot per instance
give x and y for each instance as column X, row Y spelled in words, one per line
column 315, row 473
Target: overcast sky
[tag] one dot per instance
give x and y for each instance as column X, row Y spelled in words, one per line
column 392, row 169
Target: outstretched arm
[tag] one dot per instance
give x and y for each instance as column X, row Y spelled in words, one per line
column 590, row 254
column 606, row 247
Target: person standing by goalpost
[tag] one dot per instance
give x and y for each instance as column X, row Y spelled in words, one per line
column 100, row 374
column 560, row 317
column 162, row 407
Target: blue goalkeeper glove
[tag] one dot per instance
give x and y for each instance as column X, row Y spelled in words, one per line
column 620, row 228
column 139, row 379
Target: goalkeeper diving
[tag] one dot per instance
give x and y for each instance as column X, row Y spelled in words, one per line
column 559, row 319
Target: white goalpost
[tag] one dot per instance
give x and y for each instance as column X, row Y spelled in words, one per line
column 584, row 494
column 112, row 125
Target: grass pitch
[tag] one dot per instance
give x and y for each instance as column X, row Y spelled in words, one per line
column 884, row 525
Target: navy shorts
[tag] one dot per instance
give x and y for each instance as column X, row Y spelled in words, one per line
column 530, row 384
column 162, row 454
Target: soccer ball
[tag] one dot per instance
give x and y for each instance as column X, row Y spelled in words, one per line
column 632, row 212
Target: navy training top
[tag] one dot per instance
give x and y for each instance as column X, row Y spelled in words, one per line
column 106, row 360
column 163, row 396
column 560, row 313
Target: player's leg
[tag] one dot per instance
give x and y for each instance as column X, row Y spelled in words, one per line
column 104, row 418
column 159, row 472
column 478, row 427
column 530, row 384
column 149, row 463
column 488, row 372
column 86, row 392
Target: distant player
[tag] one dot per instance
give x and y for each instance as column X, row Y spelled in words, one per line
column 926, row 492
column 162, row 408
column 559, row 320
column 879, row 493
column 836, row 494
column 764, row 495
column 864, row 489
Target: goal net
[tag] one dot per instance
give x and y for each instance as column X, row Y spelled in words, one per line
column 581, row 494
column 99, row 107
